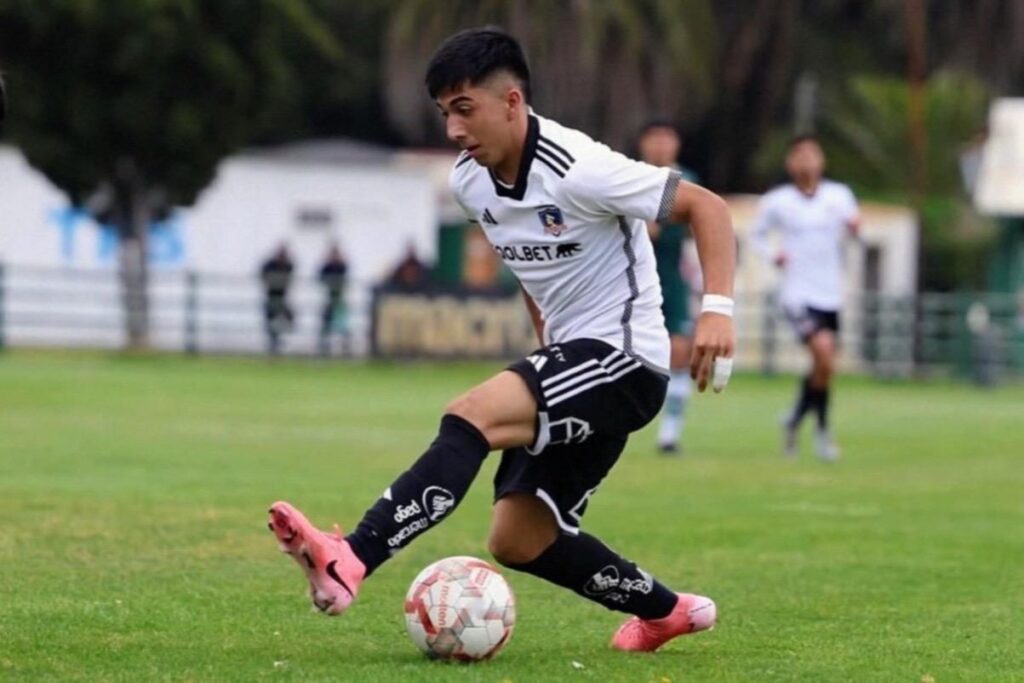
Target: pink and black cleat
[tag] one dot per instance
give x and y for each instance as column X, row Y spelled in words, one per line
column 691, row 614
column 333, row 570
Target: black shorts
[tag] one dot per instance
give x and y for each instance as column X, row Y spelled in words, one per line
column 807, row 320
column 590, row 397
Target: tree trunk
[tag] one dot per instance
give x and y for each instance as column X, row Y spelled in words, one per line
column 134, row 212
column 134, row 275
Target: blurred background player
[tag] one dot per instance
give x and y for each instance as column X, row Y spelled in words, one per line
column 276, row 275
column 659, row 145
column 334, row 318
column 814, row 215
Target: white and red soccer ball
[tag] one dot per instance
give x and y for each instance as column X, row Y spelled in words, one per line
column 460, row 608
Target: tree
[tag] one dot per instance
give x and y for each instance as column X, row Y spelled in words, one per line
column 605, row 67
column 128, row 105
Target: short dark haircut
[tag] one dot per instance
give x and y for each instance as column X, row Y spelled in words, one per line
column 473, row 55
column 801, row 139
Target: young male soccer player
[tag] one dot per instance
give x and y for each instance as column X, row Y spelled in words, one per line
column 814, row 215
column 659, row 145
column 567, row 215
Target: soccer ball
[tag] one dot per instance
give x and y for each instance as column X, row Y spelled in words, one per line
column 460, row 608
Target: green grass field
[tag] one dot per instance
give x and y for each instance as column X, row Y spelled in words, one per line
column 134, row 544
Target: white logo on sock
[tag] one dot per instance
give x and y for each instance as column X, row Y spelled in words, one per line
column 437, row 502
column 404, row 512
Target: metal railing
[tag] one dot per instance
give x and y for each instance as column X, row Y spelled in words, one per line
column 969, row 335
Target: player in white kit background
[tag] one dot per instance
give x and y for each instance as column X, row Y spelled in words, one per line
column 568, row 217
column 815, row 216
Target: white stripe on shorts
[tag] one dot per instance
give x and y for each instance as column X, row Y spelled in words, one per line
column 601, row 370
column 600, row 380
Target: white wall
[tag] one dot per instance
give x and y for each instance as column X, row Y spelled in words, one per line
column 375, row 212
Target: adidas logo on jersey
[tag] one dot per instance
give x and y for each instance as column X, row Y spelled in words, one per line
column 488, row 218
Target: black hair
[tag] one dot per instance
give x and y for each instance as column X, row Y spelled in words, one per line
column 474, row 54
column 802, row 138
column 658, row 124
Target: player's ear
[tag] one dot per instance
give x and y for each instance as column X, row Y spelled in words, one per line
column 513, row 101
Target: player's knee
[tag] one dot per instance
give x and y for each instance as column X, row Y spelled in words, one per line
column 468, row 407
column 510, row 550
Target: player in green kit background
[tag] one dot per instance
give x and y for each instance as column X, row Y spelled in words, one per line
column 659, row 145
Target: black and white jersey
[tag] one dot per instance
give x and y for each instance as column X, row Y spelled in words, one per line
column 812, row 228
column 572, row 230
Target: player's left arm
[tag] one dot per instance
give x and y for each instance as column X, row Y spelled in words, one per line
column 714, row 336
column 609, row 183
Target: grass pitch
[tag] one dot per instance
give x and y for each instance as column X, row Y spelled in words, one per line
column 133, row 544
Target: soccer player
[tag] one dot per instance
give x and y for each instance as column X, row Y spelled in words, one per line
column 814, row 215
column 568, row 216
column 659, row 145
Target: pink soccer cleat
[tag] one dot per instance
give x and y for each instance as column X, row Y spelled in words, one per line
column 333, row 570
column 691, row 614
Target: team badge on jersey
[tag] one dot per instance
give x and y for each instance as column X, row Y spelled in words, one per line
column 551, row 218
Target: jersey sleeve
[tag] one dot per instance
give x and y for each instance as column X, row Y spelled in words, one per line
column 849, row 205
column 607, row 182
column 455, row 185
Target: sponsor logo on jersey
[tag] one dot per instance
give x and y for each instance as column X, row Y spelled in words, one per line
column 551, row 218
column 437, row 502
column 488, row 218
column 404, row 512
column 539, row 252
column 568, row 249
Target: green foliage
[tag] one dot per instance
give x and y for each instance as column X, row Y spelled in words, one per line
column 168, row 87
column 603, row 66
column 869, row 128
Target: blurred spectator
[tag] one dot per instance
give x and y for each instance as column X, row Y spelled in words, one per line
column 334, row 318
column 410, row 273
column 276, row 274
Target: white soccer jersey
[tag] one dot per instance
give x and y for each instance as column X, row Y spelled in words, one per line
column 812, row 230
column 572, row 229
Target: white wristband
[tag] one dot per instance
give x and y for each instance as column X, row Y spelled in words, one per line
column 716, row 303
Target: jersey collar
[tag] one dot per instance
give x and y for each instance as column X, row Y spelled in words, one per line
column 518, row 191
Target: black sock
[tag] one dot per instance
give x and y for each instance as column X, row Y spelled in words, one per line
column 822, row 408
column 803, row 403
column 422, row 496
column 590, row 568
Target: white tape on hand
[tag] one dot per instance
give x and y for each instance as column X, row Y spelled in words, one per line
column 720, row 373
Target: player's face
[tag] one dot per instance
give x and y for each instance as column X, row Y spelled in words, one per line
column 660, row 146
column 480, row 120
column 806, row 161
